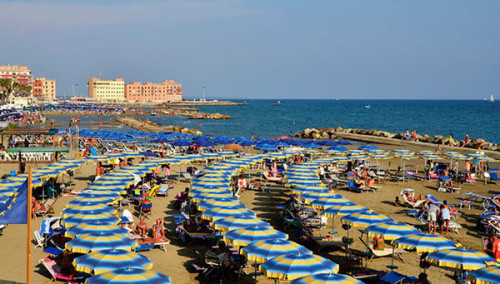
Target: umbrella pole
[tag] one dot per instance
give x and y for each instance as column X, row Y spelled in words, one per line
column 392, row 260
column 255, row 276
column 367, row 252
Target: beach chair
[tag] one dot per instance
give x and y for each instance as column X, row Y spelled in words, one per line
column 377, row 178
column 54, row 270
column 39, row 239
column 48, row 209
column 187, row 177
column 397, row 278
column 267, row 176
column 453, row 226
column 416, row 204
column 163, row 190
column 153, row 191
column 494, row 177
column 387, row 251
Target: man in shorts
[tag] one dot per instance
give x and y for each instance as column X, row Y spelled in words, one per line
column 432, row 214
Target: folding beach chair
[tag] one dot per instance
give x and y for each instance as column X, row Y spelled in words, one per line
column 54, row 270
column 387, row 251
column 39, row 239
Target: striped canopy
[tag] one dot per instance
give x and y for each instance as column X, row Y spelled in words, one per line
column 390, row 231
column 202, row 196
column 216, row 213
column 296, row 265
column 327, row 202
column 309, row 197
column 233, row 223
column 245, row 236
column 78, row 203
column 327, row 278
column 487, row 275
column 423, row 243
column 94, row 227
column 264, row 250
column 461, row 259
column 93, row 242
column 129, row 275
column 87, row 206
column 365, row 219
column 76, row 219
column 110, row 259
column 346, row 209
column 219, row 202
column 68, row 212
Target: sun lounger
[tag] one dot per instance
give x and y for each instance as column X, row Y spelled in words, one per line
column 163, row 190
column 319, row 243
column 415, row 204
column 352, row 186
column 269, row 177
column 387, row 251
column 54, row 270
column 494, row 177
column 422, row 217
column 397, row 278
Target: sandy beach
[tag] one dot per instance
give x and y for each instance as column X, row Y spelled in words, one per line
column 176, row 262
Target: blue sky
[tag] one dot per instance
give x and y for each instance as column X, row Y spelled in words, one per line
column 400, row 49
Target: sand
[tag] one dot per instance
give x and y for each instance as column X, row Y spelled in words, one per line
column 176, row 262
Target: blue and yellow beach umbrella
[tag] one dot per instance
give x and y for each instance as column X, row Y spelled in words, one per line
column 68, row 212
column 197, row 197
column 247, row 235
column 262, row 251
column 94, row 227
column 345, row 209
column 296, row 265
column 129, row 275
column 487, row 275
column 390, row 231
column 216, row 213
column 233, row 223
column 423, row 243
column 327, row 278
column 84, row 203
column 93, row 242
column 327, row 202
column 111, row 259
column 227, row 202
column 365, row 219
column 309, row 197
column 76, row 219
column 461, row 259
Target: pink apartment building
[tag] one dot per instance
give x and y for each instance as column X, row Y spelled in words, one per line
column 166, row 91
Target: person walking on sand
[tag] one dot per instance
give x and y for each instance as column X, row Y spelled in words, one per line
column 432, row 214
column 445, row 216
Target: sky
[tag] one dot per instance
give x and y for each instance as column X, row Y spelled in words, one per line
column 352, row 49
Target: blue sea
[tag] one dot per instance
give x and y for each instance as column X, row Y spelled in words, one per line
column 479, row 119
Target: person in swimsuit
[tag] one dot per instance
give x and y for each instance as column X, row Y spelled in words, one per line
column 142, row 228
column 158, row 230
column 378, row 243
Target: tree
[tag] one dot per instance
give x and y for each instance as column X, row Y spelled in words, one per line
column 5, row 89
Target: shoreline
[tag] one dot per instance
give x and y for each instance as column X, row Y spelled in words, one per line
column 149, row 126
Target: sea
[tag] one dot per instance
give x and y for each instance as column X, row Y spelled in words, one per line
column 479, row 119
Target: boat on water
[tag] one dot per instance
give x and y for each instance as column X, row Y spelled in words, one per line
column 368, row 106
column 492, row 100
column 277, row 104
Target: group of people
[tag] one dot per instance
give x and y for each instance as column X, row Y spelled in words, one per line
column 437, row 214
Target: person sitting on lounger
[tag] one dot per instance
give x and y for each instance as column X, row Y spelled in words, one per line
column 66, row 263
column 370, row 182
column 158, row 230
column 35, row 207
column 142, row 228
column 379, row 243
column 411, row 199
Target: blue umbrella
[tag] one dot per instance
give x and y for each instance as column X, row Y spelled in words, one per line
column 204, row 143
column 313, row 146
column 368, row 147
column 339, row 148
column 182, row 142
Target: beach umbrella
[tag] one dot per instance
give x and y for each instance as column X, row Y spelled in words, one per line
column 339, row 148
column 368, row 147
column 262, row 251
column 462, row 259
column 94, row 227
column 295, row 265
column 204, row 143
column 327, row 202
column 84, row 203
column 111, row 259
column 421, row 242
column 309, row 197
column 344, row 209
column 200, row 196
column 365, row 219
column 487, row 275
column 245, row 236
column 307, row 189
column 182, row 142
column 327, row 278
column 102, row 193
column 233, row 223
column 216, row 213
column 129, row 275
column 219, row 202
column 93, row 242
column 68, row 212
column 76, row 219
column 313, row 146
column 390, row 231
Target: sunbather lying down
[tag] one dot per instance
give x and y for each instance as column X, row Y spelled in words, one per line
column 410, row 197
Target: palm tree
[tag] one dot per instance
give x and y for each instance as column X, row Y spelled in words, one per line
column 5, row 89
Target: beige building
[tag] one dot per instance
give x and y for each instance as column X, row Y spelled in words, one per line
column 166, row 91
column 44, row 89
column 106, row 90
